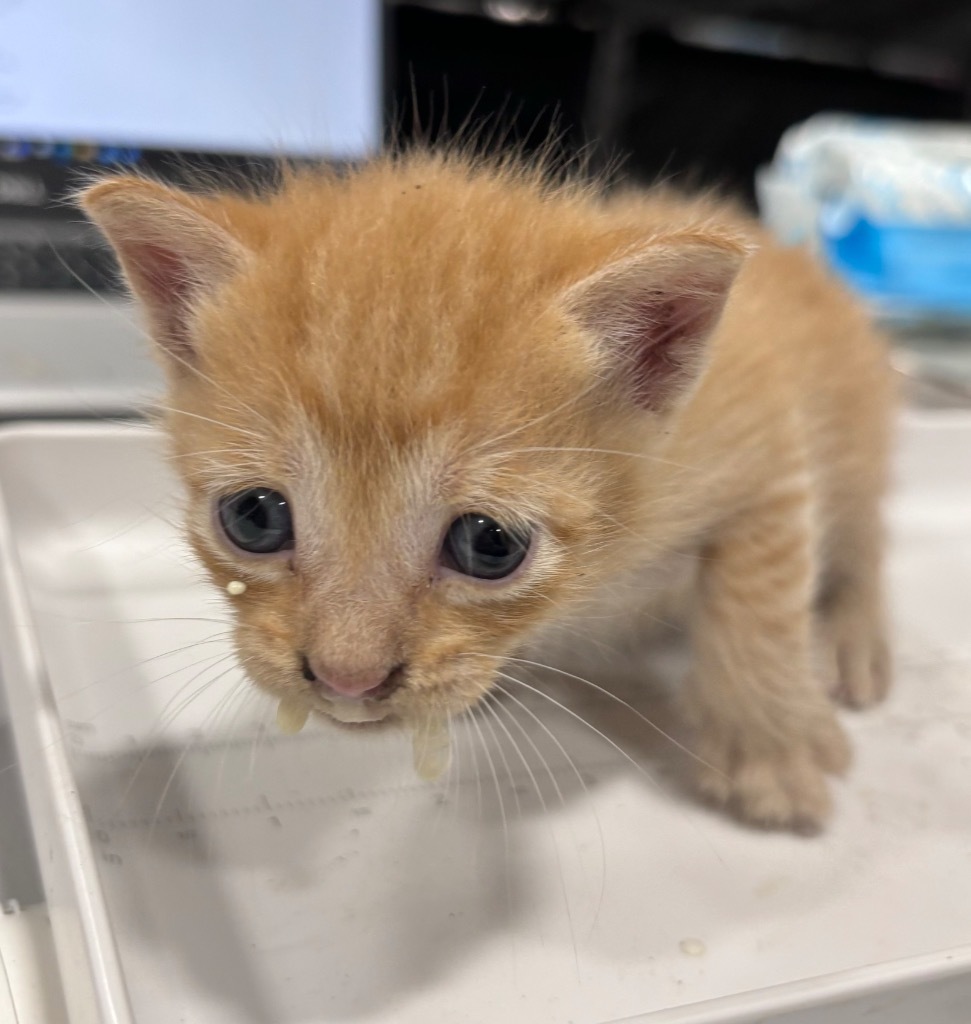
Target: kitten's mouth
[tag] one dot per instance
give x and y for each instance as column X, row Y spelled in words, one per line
column 372, row 725
column 357, row 714
column 362, row 709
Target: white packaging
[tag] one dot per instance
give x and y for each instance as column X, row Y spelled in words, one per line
column 893, row 172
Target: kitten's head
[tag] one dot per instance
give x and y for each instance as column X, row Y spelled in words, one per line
column 397, row 399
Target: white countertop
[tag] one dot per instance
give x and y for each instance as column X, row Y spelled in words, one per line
column 67, row 355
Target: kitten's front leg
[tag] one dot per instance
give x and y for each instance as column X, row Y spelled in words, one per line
column 766, row 730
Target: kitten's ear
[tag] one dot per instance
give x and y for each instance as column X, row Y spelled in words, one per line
column 653, row 311
column 172, row 254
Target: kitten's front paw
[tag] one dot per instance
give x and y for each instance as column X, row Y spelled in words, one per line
column 773, row 783
column 857, row 656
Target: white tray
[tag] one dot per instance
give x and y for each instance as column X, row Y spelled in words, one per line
column 240, row 877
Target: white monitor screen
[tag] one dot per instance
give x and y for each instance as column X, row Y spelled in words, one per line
column 288, row 77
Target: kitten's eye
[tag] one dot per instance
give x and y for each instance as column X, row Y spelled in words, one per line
column 257, row 520
column 476, row 545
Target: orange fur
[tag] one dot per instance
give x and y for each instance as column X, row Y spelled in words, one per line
column 431, row 335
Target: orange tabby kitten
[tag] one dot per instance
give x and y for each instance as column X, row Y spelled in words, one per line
column 428, row 409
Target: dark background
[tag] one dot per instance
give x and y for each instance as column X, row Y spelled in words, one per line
column 697, row 91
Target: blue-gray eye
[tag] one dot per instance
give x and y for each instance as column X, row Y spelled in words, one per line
column 476, row 545
column 257, row 520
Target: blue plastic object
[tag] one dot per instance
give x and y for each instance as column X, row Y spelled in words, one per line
column 900, row 267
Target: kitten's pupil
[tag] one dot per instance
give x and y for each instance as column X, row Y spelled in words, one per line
column 476, row 545
column 490, row 541
column 257, row 520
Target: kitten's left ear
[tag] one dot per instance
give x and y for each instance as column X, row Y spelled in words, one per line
column 653, row 311
column 172, row 253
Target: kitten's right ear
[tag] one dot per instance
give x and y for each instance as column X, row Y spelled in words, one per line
column 172, row 254
column 652, row 312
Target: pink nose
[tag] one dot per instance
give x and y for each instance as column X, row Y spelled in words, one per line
column 356, row 684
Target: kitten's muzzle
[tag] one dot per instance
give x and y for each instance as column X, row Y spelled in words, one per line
column 351, row 684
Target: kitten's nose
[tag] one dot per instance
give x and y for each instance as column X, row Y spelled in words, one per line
column 356, row 684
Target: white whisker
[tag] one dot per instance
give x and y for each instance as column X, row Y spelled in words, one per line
column 606, row 693
column 502, row 755
column 586, row 791
column 216, row 423
column 573, row 399
column 475, row 766
column 646, row 456
column 167, row 716
column 620, row 750
column 546, row 814
column 180, row 760
column 502, row 809
column 212, row 639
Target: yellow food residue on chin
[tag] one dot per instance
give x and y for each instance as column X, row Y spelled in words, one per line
column 291, row 717
column 431, row 747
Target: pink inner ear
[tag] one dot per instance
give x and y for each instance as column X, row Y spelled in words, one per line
column 163, row 280
column 665, row 338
